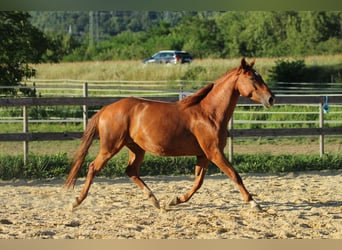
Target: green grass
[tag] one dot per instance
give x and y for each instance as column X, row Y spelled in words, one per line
column 57, row 166
column 285, row 116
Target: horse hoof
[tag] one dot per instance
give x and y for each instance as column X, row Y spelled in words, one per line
column 164, row 209
column 156, row 204
column 173, row 202
column 255, row 206
column 76, row 203
column 72, row 206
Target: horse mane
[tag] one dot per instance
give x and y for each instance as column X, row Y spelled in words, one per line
column 197, row 96
column 203, row 92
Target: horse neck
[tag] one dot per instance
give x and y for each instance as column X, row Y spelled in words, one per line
column 221, row 101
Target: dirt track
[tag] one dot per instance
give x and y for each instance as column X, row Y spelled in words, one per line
column 296, row 205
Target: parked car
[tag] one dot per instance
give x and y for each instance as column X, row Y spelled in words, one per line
column 170, row 56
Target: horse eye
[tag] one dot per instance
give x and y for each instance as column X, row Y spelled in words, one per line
column 252, row 79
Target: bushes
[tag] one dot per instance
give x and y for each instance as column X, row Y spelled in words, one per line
column 267, row 163
column 288, row 71
column 11, row 167
column 57, row 166
column 296, row 71
column 40, row 166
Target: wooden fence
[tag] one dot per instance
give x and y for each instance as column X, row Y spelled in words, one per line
column 121, row 88
column 26, row 136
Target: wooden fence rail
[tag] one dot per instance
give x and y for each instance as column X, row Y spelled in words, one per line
column 69, row 87
column 26, row 136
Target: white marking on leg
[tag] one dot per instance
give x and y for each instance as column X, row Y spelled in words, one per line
column 255, row 205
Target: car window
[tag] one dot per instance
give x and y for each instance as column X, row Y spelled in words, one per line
column 183, row 55
column 170, row 55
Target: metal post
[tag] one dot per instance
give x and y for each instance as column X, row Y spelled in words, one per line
column 25, row 130
column 85, row 107
column 230, row 140
column 321, row 126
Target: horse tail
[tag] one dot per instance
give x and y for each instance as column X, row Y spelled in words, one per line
column 87, row 139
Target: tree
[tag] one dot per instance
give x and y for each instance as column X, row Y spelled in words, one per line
column 200, row 36
column 59, row 46
column 20, row 45
column 138, row 34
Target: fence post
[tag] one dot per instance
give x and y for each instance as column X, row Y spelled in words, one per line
column 25, row 130
column 321, row 126
column 85, row 107
column 230, row 140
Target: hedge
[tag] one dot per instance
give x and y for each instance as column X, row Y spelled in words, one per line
column 57, row 166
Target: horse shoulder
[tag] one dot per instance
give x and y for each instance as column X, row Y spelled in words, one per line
column 197, row 97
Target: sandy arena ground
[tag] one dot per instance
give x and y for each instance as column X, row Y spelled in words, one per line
column 296, row 205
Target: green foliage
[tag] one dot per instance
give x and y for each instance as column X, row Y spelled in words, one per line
column 205, row 34
column 288, row 71
column 59, row 46
column 200, row 35
column 267, row 163
column 11, row 167
column 39, row 167
column 57, row 166
column 323, row 74
column 46, row 166
column 44, row 112
column 20, row 45
column 167, row 165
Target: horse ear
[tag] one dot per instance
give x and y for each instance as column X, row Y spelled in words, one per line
column 243, row 63
column 251, row 64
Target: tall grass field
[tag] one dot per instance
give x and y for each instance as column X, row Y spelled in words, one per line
column 204, row 69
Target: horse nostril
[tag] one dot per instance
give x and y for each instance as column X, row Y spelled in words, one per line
column 271, row 100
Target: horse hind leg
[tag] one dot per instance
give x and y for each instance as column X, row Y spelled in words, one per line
column 200, row 169
column 136, row 156
column 94, row 167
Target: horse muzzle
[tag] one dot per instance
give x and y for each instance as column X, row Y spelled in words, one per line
column 268, row 101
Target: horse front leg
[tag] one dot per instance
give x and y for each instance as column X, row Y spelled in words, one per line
column 220, row 160
column 200, row 169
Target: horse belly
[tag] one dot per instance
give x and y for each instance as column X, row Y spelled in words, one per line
column 165, row 138
column 170, row 145
column 161, row 129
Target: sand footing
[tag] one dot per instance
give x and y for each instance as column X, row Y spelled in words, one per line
column 304, row 205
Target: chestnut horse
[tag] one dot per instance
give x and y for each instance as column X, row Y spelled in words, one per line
column 196, row 125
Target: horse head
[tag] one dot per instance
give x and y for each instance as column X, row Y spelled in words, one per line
column 251, row 85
